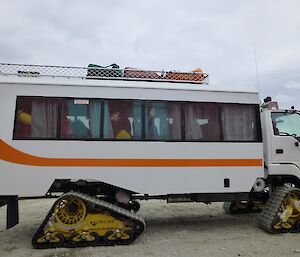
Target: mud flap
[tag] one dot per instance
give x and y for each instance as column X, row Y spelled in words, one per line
column 12, row 211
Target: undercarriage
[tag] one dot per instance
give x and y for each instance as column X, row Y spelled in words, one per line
column 77, row 219
column 279, row 213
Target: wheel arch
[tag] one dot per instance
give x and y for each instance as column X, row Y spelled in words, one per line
column 280, row 180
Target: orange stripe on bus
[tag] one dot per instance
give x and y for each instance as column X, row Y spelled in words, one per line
column 10, row 154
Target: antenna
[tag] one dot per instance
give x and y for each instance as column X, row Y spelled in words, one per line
column 255, row 60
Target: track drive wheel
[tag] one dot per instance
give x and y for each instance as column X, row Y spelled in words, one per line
column 70, row 211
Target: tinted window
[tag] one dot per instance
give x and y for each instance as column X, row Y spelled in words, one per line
column 36, row 118
column 202, row 121
column 239, row 122
column 80, row 118
column 163, row 121
column 122, row 119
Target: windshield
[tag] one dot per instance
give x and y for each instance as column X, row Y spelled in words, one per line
column 286, row 123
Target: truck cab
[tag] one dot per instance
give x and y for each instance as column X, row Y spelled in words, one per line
column 281, row 137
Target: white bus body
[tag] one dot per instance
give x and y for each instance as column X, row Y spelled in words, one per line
column 239, row 162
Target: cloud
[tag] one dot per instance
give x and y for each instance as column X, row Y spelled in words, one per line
column 217, row 36
column 286, row 100
column 292, row 85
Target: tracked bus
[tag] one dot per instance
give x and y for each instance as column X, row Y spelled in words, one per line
column 104, row 138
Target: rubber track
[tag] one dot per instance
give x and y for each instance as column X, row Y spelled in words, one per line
column 270, row 214
column 228, row 209
column 117, row 212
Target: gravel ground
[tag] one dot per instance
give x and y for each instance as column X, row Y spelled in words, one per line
column 185, row 229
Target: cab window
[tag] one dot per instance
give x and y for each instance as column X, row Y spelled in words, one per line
column 285, row 124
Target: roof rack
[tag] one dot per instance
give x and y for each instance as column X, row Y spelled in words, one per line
column 26, row 70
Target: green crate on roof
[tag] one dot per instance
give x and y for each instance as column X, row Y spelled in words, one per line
column 97, row 71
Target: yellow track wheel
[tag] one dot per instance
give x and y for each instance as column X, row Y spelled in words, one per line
column 69, row 212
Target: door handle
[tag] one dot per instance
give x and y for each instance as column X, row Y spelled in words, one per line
column 297, row 144
column 279, row 151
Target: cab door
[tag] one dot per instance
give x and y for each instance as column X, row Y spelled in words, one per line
column 286, row 137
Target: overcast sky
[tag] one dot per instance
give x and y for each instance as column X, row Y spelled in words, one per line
column 221, row 37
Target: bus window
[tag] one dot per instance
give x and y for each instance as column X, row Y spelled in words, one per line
column 36, row 118
column 202, row 122
column 122, row 120
column 163, row 121
column 80, row 118
column 239, row 122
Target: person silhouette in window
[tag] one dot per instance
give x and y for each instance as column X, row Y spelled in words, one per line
column 275, row 129
column 120, row 126
column 152, row 129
